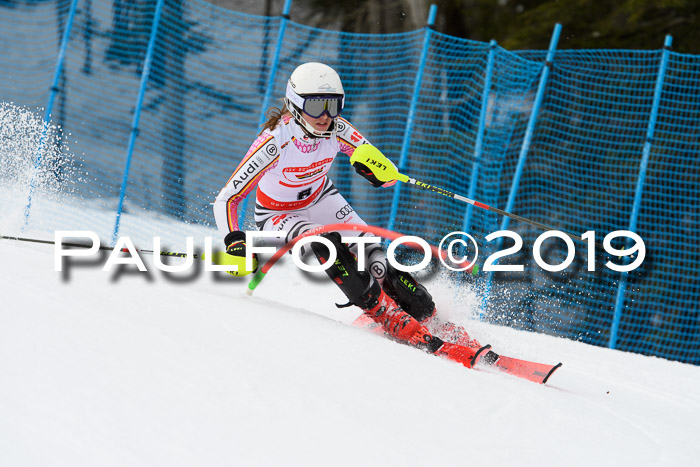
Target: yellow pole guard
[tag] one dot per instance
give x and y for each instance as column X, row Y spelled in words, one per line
column 378, row 163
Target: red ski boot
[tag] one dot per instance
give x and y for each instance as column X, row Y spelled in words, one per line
column 415, row 299
column 365, row 292
column 396, row 322
column 402, row 326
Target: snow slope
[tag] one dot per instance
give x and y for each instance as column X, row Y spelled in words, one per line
column 146, row 369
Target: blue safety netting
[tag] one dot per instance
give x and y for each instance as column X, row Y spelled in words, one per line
column 418, row 96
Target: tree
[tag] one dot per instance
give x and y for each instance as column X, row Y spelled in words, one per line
column 522, row 24
column 609, row 24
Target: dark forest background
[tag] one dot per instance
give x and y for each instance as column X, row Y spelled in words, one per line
column 515, row 24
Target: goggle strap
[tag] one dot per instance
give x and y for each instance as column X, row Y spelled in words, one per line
column 295, row 98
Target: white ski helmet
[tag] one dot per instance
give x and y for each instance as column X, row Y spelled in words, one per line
column 316, row 89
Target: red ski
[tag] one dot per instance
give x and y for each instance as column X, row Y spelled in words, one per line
column 467, row 356
column 531, row 371
column 455, row 334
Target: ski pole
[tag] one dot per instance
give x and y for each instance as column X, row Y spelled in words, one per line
column 218, row 257
column 385, row 171
column 101, row 247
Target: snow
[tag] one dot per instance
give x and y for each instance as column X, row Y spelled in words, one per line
column 145, row 369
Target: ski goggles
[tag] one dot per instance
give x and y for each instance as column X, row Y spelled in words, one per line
column 315, row 106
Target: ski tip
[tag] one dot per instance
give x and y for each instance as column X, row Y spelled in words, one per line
column 554, row 368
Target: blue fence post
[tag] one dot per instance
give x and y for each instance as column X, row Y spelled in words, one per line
column 411, row 114
column 524, row 149
column 622, row 285
column 270, row 87
column 275, row 61
column 479, row 146
column 49, row 108
column 137, row 115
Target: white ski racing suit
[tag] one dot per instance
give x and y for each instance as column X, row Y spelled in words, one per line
column 294, row 193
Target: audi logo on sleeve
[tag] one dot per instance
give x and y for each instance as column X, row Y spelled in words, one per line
column 344, row 212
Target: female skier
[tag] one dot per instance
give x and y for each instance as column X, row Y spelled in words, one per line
column 289, row 163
